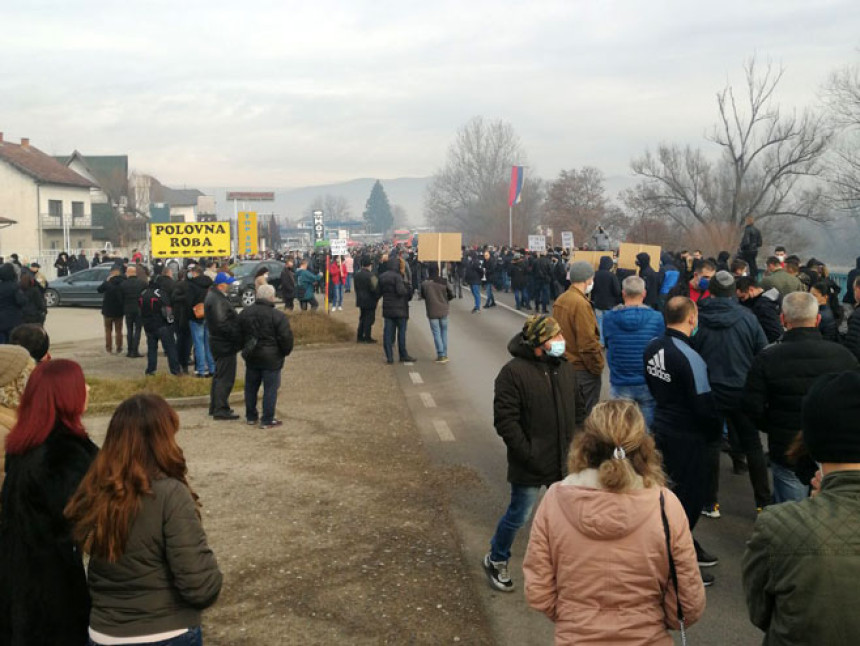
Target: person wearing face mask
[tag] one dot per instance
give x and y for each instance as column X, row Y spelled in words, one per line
column 536, row 407
column 575, row 315
column 686, row 420
column 703, row 271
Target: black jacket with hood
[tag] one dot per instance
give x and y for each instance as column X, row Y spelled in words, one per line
column 651, row 278
column 198, row 287
column 113, row 305
column 767, row 307
column 272, row 330
column 395, row 292
column 606, row 293
column 536, row 408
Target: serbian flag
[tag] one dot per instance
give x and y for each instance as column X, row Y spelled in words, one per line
column 515, row 193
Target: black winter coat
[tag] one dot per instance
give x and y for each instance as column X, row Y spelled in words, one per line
column 395, row 295
column 113, row 305
column 35, row 309
column 518, row 275
column 11, row 299
column 225, row 333
column 766, row 307
column 179, row 301
column 606, row 293
column 779, row 378
column 288, row 285
column 366, row 289
column 536, row 408
column 474, row 270
column 652, row 279
column 131, row 289
column 827, row 326
column 43, row 589
column 271, row 328
column 852, row 338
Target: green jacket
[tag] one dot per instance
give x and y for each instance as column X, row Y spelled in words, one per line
column 784, row 282
column 802, row 567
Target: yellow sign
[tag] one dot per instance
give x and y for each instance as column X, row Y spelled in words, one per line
column 628, row 251
column 190, row 239
column 249, row 243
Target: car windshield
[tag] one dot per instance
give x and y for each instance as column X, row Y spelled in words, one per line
column 240, row 271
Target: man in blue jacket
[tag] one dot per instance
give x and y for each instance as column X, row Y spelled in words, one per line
column 627, row 331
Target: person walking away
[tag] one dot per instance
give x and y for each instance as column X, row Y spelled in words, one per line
column 181, row 320
column 764, row 304
column 366, row 299
column 652, row 279
column 606, row 293
column 575, row 315
column 436, row 294
column 268, row 339
column 12, row 301
column 113, row 309
column 34, row 310
column 750, row 244
column 686, row 420
column 225, row 340
column 627, row 330
column 43, row 588
column 156, row 313
column 198, row 287
column 306, row 281
column 137, row 518
column 474, row 276
column 288, row 285
column 613, row 507
column 131, row 289
column 778, row 379
column 536, row 408
column 802, row 563
column 395, row 293
column 542, row 279
column 729, row 338
column 518, row 282
column 852, row 337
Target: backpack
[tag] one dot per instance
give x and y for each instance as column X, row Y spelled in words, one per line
column 154, row 304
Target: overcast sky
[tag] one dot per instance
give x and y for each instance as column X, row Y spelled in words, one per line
column 281, row 93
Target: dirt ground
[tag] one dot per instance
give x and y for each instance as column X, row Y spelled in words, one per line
column 334, row 528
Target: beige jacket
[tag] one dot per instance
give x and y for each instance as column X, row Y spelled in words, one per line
column 575, row 315
column 596, row 564
column 8, row 418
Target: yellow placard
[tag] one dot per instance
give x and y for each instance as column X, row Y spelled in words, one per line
column 591, row 257
column 249, row 242
column 190, row 239
column 440, row 247
column 627, row 252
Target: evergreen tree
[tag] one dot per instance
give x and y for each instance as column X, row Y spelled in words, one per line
column 377, row 211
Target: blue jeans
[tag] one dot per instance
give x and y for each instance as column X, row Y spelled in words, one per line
column 490, row 298
column 439, row 327
column 520, row 297
column 523, row 499
column 168, row 342
column 194, row 637
column 786, row 486
column 476, row 294
column 271, row 381
column 337, row 295
column 391, row 328
column 542, row 297
column 598, row 314
column 641, row 395
column 349, row 282
column 203, row 360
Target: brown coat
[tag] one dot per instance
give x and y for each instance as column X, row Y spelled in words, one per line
column 575, row 315
column 596, row 564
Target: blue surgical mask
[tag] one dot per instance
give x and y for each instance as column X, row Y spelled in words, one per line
column 556, row 349
column 704, row 282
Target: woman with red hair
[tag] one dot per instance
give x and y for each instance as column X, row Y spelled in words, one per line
column 43, row 589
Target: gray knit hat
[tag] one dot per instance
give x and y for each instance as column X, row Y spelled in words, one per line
column 722, row 284
column 13, row 361
column 581, row 271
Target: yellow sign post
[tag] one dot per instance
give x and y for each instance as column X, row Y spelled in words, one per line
column 249, row 242
column 190, row 239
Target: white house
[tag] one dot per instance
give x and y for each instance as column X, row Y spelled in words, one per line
column 50, row 203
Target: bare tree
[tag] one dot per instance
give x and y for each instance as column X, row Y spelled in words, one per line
column 842, row 96
column 335, row 207
column 576, row 201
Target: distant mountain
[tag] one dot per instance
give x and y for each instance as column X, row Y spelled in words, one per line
column 293, row 203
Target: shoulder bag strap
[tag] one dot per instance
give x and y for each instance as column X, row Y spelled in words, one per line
column 673, row 573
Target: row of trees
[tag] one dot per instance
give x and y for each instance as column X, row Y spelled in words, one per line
column 379, row 214
column 780, row 166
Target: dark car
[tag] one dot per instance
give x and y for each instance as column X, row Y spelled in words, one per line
column 80, row 288
column 242, row 292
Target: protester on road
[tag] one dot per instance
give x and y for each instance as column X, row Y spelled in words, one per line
column 267, row 340
column 436, row 294
column 34, row 310
column 349, row 267
column 198, row 287
column 225, row 340
column 613, row 508
column 651, row 278
column 151, row 571
column 43, row 588
column 131, row 289
column 779, row 378
column 337, row 279
column 113, row 309
column 396, row 294
column 288, row 285
column 575, row 315
column 536, row 407
column 306, row 280
column 474, row 275
column 179, row 300
column 12, row 301
column 606, row 293
column 366, row 300
column 627, row 331
column 802, row 564
column 156, row 314
column 764, row 304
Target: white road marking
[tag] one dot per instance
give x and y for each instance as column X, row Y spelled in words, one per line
column 509, row 308
column 443, row 430
column 416, row 378
column 428, row 400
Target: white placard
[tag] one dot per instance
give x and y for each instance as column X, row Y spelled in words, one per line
column 537, row 243
column 338, row 246
column 567, row 239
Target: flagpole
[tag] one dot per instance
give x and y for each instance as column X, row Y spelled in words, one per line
column 510, row 225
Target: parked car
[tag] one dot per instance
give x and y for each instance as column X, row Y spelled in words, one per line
column 242, row 291
column 80, row 288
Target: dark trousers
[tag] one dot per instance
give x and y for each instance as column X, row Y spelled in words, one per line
column 312, row 302
column 589, row 387
column 164, row 334
column 288, row 303
column 750, row 257
column 133, row 325
column 184, row 343
column 271, row 381
column 684, row 461
column 222, row 384
column 113, row 325
column 391, row 328
column 366, row 319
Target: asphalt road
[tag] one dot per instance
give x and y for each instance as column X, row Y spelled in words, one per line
column 453, row 406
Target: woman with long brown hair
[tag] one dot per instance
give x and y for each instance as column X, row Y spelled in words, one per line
column 610, row 558
column 151, row 572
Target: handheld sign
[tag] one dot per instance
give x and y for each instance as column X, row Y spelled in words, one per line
column 339, row 246
column 190, row 239
column 567, row 239
column 627, row 254
column 537, row 243
column 440, row 247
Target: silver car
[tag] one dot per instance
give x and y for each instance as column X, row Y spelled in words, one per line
column 80, row 288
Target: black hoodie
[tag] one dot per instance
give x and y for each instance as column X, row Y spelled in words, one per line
column 606, row 293
column 651, row 278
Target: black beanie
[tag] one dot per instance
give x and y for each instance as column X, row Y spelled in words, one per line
column 831, row 418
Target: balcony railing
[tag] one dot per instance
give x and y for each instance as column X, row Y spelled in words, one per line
column 49, row 221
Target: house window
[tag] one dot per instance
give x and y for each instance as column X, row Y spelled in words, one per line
column 77, row 209
column 55, row 208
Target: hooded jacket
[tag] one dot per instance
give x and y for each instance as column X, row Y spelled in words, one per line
column 198, row 287
column 766, row 308
column 627, row 331
column 113, row 305
column 536, row 407
column 596, row 564
column 670, row 272
column 578, row 324
column 272, row 330
column 651, row 278
column 606, row 293
column 436, row 293
column 395, row 292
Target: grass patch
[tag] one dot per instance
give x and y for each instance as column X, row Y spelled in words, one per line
column 113, row 391
column 316, row 327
